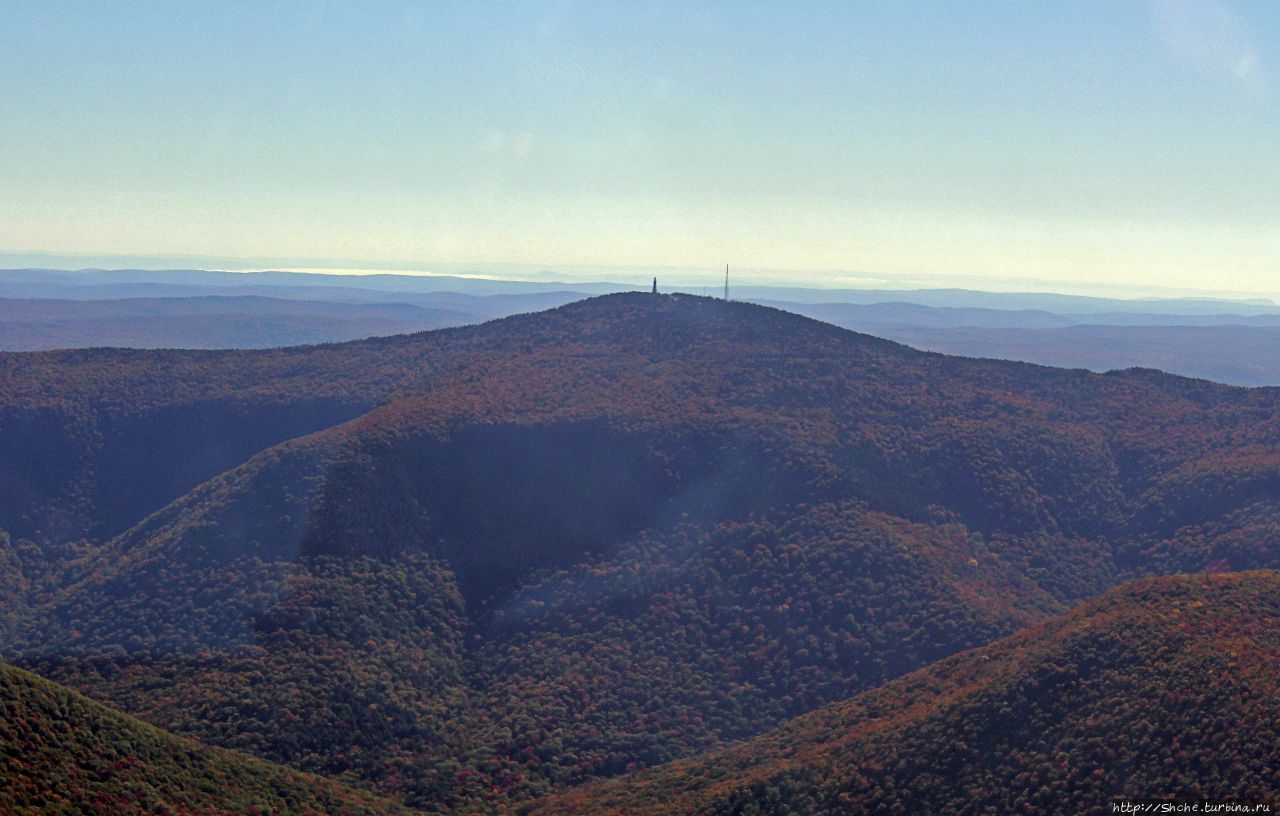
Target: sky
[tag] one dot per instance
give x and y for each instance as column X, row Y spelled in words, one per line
column 1125, row 145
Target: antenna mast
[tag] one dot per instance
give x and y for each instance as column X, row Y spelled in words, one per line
column 726, row 281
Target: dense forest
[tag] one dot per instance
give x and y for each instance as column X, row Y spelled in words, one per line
column 1163, row 688
column 473, row 567
column 63, row 754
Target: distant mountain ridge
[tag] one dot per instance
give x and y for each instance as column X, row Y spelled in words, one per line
column 210, row 321
column 47, row 309
column 488, row 284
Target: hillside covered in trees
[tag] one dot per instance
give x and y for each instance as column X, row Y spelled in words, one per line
column 1162, row 689
column 477, row 566
column 63, row 754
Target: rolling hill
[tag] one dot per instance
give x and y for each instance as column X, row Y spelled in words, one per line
column 1162, row 689
column 63, row 754
column 476, row 566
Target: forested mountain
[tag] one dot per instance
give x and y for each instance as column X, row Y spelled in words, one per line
column 63, row 754
column 1163, row 689
column 1227, row 340
column 475, row 566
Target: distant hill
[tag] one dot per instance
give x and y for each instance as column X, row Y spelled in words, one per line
column 1231, row 348
column 1246, row 355
column 61, row 753
column 206, row 322
column 484, row 564
column 91, row 283
column 907, row 315
column 1079, row 305
column 1163, row 689
column 48, row 309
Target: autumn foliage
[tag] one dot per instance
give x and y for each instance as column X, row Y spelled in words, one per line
column 473, row 567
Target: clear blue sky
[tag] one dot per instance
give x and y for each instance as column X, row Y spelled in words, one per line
column 1079, row 144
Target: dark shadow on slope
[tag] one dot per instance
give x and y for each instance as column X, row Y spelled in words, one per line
column 501, row 502
column 148, row 460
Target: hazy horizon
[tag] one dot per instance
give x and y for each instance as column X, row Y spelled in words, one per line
column 686, row 278
column 1096, row 148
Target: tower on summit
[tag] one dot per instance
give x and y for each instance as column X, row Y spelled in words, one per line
column 655, row 286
